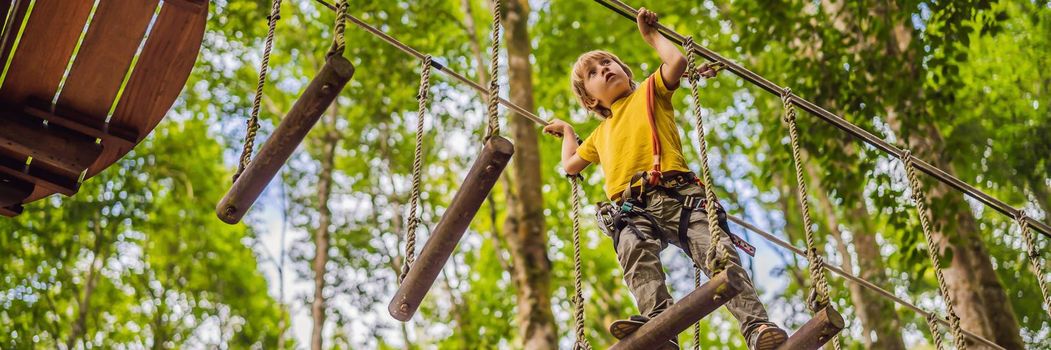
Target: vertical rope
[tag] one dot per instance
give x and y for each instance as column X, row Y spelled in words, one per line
column 339, row 44
column 717, row 257
column 920, row 201
column 417, row 168
column 932, row 323
column 1034, row 258
column 494, row 79
column 818, row 297
column 697, row 326
column 578, row 297
column 264, row 66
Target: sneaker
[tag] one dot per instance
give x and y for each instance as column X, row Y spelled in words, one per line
column 767, row 337
column 621, row 328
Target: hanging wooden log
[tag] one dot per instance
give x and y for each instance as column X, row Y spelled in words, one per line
column 465, row 204
column 815, row 333
column 692, row 308
column 306, row 112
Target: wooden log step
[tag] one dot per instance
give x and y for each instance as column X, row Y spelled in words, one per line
column 450, row 228
column 684, row 313
column 307, row 110
column 825, row 325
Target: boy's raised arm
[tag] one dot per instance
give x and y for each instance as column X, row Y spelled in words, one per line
column 674, row 61
column 571, row 161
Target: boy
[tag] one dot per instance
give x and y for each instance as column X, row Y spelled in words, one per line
column 624, row 144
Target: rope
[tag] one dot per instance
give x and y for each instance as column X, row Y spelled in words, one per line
column 417, row 168
column 578, row 297
column 253, row 120
column 716, row 257
column 919, row 199
column 697, row 326
column 339, row 44
column 494, row 78
column 1034, row 258
column 932, row 323
column 818, row 297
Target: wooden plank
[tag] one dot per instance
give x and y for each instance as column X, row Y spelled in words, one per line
column 307, row 110
column 160, row 74
column 45, row 48
column 80, row 123
column 13, row 190
column 450, row 229
column 62, row 148
column 10, row 28
column 5, row 7
column 11, row 211
column 47, row 180
column 656, row 333
column 114, row 35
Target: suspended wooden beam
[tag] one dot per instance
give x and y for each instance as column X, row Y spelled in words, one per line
column 306, row 112
column 465, row 204
column 55, row 145
column 815, row 333
column 692, row 308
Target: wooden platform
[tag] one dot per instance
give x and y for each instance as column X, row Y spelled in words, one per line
column 76, row 134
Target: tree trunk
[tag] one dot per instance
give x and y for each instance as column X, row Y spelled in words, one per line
column 979, row 297
column 524, row 229
column 321, row 239
column 880, row 325
column 98, row 260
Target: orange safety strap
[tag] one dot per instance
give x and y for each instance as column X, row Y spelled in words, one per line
column 654, row 175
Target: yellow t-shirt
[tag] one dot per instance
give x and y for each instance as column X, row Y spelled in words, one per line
column 623, row 144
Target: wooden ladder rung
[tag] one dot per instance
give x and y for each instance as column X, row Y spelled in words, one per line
column 306, row 112
column 450, row 228
column 692, row 308
column 824, row 326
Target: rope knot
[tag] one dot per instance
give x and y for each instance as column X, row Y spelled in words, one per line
column 786, row 101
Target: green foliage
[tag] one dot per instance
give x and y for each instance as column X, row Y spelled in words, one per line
column 971, row 74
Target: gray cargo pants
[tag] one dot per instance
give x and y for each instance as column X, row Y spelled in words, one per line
column 644, row 273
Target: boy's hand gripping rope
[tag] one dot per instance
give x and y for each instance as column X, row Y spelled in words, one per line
column 818, row 297
column 264, row 66
column 417, row 168
column 919, row 199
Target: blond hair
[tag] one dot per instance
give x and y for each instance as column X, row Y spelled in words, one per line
column 580, row 74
